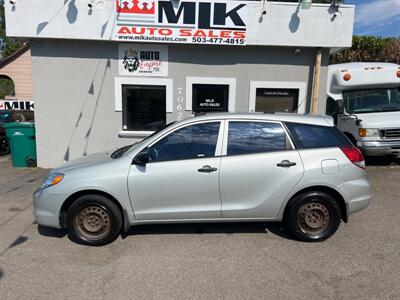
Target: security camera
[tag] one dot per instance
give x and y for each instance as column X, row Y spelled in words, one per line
column 90, row 4
column 13, row 2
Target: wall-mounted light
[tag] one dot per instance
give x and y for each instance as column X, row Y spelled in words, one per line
column 96, row 4
column 297, row 51
column 306, row 4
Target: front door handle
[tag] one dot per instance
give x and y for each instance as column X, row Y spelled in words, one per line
column 207, row 169
column 286, row 164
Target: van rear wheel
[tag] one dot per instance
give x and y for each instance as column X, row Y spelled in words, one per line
column 94, row 220
column 313, row 216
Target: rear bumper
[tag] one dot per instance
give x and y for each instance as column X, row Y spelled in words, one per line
column 357, row 195
column 380, row 148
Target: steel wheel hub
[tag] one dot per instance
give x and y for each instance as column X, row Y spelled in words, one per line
column 93, row 222
column 313, row 217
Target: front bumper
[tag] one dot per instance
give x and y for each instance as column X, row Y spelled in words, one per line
column 47, row 207
column 380, row 148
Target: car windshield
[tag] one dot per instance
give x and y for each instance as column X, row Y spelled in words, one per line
column 121, row 151
column 372, row 100
column 4, row 117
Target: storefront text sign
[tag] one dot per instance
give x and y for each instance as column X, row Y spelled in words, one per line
column 16, row 104
column 143, row 60
column 188, row 22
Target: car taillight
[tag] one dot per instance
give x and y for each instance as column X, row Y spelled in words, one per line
column 354, row 155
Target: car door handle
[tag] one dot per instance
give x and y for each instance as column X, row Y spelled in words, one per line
column 286, row 164
column 207, row 169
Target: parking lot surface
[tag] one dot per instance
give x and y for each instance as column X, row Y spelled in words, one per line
column 199, row 261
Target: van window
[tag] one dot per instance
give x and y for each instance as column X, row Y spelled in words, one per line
column 330, row 106
column 312, row 136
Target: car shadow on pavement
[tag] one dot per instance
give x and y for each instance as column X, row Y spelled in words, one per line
column 51, row 232
column 382, row 161
column 211, row 228
column 274, row 228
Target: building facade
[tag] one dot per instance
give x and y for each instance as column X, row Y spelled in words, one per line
column 108, row 73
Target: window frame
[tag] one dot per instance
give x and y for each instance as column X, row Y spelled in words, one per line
column 231, row 82
column 218, row 148
column 169, row 101
column 289, row 142
column 301, row 86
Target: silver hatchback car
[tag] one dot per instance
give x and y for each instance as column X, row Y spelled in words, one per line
column 212, row 168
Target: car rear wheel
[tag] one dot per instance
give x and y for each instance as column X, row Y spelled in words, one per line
column 94, row 220
column 4, row 146
column 313, row 216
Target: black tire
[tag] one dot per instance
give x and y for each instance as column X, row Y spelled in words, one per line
column 94, row 220
column 31, row 163
column 313, row 216
column 4, row 146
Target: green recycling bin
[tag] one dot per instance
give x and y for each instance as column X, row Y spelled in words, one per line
column 23, row 143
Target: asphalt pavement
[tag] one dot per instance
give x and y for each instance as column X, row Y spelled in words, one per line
column 200, row 261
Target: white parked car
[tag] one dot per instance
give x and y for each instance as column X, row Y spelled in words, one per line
column 213, row 168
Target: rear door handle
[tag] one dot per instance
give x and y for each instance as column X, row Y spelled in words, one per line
column 207, row 169
column 286, row 164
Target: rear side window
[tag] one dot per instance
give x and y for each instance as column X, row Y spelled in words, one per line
column 255, row 137
column 313, row 136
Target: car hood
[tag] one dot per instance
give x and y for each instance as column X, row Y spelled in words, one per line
column 380, row 120
column 85, row 161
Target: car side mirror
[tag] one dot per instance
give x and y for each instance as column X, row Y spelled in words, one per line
column 340, row 106
column 141, row 159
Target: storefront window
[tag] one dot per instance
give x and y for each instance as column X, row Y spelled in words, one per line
column 210, row 98
column 277, row 100
column 143, row 107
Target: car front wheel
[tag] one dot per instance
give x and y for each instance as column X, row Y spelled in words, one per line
column 94, row 220
column 313, row 216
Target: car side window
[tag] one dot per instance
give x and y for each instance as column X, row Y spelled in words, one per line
column 312, row 136
column 190, row 142
column 29, row 116
column 255, row 137
column 18, row 117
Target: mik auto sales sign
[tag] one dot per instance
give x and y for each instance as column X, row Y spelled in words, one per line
column 187, row 22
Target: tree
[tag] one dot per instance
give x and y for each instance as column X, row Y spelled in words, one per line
column 10, row 45
column 370, row 49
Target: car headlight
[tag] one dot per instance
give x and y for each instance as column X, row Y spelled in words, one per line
column 52, row 179
column 368, row 132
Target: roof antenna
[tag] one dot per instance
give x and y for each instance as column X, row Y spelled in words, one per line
column 263, row 12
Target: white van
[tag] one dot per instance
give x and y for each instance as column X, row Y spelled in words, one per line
column 364, row 99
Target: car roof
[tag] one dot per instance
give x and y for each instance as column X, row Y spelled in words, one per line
column 280, row 117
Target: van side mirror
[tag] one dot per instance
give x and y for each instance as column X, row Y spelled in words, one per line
column 141, row 158
column 340, row 106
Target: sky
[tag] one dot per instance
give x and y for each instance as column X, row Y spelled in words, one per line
column 377, row 17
